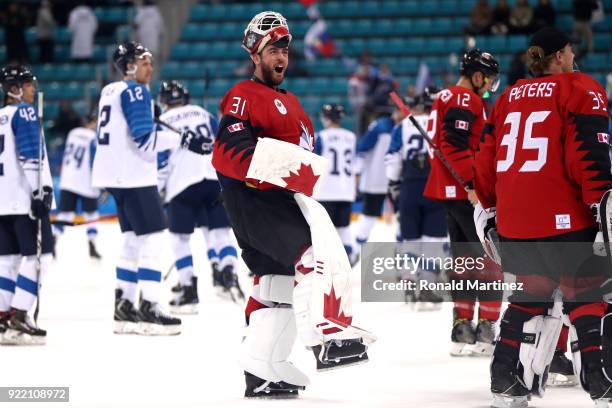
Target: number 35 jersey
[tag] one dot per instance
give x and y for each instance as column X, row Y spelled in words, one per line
column 545, row 156
column 185, row 168
column 76, row 164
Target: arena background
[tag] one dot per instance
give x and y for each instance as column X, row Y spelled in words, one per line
column 349, row 52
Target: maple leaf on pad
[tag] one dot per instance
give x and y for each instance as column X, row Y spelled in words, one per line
column 302, row 181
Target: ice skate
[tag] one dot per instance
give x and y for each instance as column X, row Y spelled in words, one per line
column 507, row 389
column 485, row 338
column 4, row 318
column 126, row 319
column 155, row 322
column 20, row 330
column 561, row 371
column 259, row 388
column 230, row 285
column 93, row 251
column 463, row 337
column 217, row 275
column 600, row 388
column 340, row 353
column 186, row 302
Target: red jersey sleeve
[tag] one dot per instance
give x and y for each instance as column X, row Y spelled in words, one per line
column 461, row 129
column 485, row 176
column 586, row 139
column 236, row 138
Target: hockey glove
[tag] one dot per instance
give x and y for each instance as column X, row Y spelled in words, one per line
column 486, row 228
column 191, row 141
column 602, row 213
column 394, row 193
column 41, row 205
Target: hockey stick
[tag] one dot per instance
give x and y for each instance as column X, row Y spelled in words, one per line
column 172, row 128
column 77, row 223
column 39, row 196
column 400, row 104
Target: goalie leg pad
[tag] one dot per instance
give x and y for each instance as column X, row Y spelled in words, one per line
column 322, row 295
column 270, row 338
column 540, row 335
column 276, row 288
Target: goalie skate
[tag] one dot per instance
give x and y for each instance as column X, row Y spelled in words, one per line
column 259, row 388
column 340, row 353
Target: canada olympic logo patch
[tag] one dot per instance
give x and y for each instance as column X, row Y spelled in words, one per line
column 281, row 108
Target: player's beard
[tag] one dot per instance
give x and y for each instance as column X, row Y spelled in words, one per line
column 270, row 76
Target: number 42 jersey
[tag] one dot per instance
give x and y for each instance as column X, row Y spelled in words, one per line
column 544, row 157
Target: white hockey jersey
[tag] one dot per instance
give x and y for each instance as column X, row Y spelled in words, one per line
column 184, row 168
column 406, row 142
column 77, row 161
column 19, row 147
column 371, row 150
column 338, row 145
column 126, row 153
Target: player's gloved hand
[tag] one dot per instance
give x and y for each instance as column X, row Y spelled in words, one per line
column 41, row 205
column 486, row 228
column 394, row 193
column 599, row 245
column 191, row 141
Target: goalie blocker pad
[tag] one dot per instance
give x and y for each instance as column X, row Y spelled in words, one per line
column 538, row 344
column 286, row 165
column 322, row 296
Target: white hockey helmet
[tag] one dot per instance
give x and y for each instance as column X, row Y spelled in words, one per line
column 265, row 28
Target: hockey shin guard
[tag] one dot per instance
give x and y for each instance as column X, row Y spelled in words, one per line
column 149, row 273
column 26, row 285
column 9, row 267
column 127, row 267
column 184, row 259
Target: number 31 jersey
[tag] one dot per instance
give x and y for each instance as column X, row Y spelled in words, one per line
column 338, row 146
column 77, row 161
column 545, row 156
column 185, row 167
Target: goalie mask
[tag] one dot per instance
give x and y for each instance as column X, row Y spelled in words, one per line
column 265, row 28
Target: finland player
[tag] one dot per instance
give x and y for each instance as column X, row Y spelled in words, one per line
column 421, row 219
column 371, row 150
column 126, row 165
column 192, row 196
column 337, row 189
column 75, row 182
column 270, row 224
column 21, row 207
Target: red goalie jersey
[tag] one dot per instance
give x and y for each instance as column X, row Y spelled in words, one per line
column 544, row 157
column 457, row 118
column 251, row 110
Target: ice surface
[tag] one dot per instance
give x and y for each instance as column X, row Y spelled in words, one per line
column 410, row 365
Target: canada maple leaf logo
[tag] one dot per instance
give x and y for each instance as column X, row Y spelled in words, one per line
column 331, row 309
column 302, row 181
